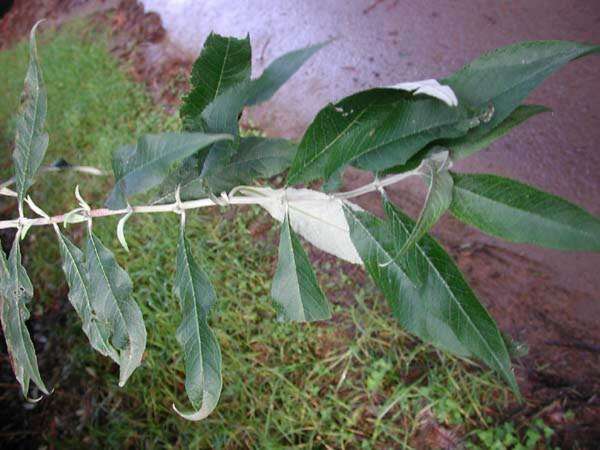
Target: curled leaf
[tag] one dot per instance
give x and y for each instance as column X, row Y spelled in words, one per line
column 317, row 217
column 110, row 292
column 31, row 141
column 16, row 292
column 121, row 229
column 203, row 380
column 431, row 87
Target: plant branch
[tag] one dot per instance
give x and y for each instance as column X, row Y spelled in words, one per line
column 79, row 215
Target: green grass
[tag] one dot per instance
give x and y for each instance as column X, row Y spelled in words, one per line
column 357, row 381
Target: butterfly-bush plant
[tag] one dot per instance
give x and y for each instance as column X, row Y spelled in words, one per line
column 416, row 129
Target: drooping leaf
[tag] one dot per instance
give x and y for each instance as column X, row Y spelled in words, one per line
column 278, row 72
column 203, row 380
column 31, row 140
column 110, row 293
column 435, row 172
column 144, row 166
column 471, row 143
column 380, row 127
column 295, row 287
column 16, row 292
column 317, row 217
column 76, row 272
column 517, row 212
column 223, row 63
column 441, row 309
column 504, row 77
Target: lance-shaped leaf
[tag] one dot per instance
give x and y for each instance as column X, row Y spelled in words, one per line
column 434, row 170
column 110, row 290
column 295, row 287
column 380, row 127
column 504, row 77
column 145, row 166
column 517, row 212
column 31, row 140
column 224, row 62
column 442, row 309
column 278, row 72
column 317, row 217
column 16, row 292
column 473, row 142
column 203, row 380
column 76, row 273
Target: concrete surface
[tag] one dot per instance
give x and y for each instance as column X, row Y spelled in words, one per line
column 385, row 42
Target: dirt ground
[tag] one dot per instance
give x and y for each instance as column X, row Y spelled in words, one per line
column 562, row 369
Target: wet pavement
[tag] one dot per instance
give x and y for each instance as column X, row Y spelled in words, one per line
column 385, row 42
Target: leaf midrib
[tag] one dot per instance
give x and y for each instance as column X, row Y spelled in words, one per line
column 452, row 296
column 33, row 132
column 549, row 222
column 196, row 319
column 129, row 347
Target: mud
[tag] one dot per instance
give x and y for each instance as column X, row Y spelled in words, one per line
column 548, row 300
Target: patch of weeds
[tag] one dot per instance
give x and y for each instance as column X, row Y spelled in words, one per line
column 535, row 435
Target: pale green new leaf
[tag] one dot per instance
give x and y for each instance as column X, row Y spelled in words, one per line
column 434, row 170
column 76, row 273
column 110, row 293
column 504, row 77
column 441, row 309
column 517, row 212
column 471, row 143
column 380, row 127
column 278, row 72
column 16, row 292
column 203, row 380
column 31, row 140
column 146, row 165
column 223, row 63
column 295, row 287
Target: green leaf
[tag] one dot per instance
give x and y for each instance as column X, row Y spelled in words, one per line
column 145, row 166
column 517, row 212
column 441, row 309
column 203, row 380
column 76, row 273
column 381, row 127
column 295, row 287
column 278, row 72
column 31, row 140
column 110, row 292
column 223, row 63
column 473, row 142
column 16, row 292
column 504, row 77
column 255, row 158
column 221, row 116
column 434, row 171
